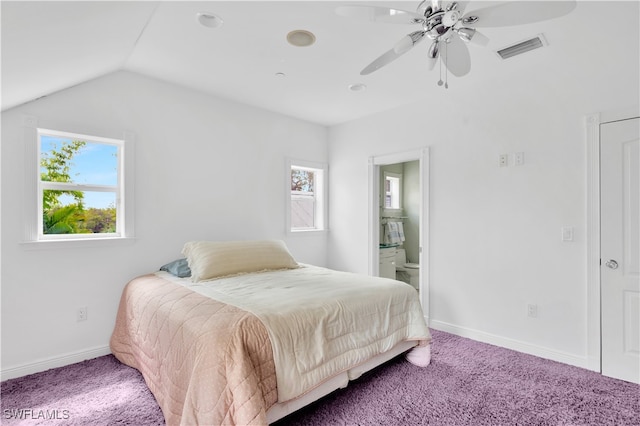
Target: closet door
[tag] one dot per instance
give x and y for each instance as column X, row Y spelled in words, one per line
column 620, row 248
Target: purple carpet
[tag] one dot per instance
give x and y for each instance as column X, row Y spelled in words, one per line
column 468, row 383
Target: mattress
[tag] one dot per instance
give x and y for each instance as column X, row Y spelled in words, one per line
column 312, row 328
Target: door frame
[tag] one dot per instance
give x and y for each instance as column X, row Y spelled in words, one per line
column 421, row 155
column 593, row 123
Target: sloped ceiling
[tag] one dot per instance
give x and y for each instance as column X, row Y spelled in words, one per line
column 49, row 46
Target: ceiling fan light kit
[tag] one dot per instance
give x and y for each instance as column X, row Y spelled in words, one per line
column 448, row 25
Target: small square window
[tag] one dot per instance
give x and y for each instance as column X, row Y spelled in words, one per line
column 307, row 198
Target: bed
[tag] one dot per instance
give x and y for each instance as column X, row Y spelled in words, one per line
column 250, row 335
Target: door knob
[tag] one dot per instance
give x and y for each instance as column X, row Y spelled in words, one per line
column 611, row 264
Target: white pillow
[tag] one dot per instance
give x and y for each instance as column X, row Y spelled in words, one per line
column 212, row 259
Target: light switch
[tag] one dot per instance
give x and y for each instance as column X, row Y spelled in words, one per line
column 567, row 233
column 519, row 158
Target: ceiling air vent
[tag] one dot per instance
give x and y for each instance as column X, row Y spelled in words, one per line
column 522, row 47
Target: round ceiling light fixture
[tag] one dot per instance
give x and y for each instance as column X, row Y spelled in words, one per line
column 301, row 38
column 358, row 87
column 209, row 20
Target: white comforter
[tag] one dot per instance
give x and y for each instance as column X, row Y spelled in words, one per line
column 321, row 322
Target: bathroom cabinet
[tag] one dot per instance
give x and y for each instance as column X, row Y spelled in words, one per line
column 388, row 262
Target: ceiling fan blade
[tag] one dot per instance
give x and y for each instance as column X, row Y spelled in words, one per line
column 519, row 13
column 380, row 62
column 405, row 44
column 455, row 55
column 380, row 14
column 462, row 6
column 431, row 63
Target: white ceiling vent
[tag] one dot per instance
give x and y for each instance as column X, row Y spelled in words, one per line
column 522, row 47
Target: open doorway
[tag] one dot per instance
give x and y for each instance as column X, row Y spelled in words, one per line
column 399, row 219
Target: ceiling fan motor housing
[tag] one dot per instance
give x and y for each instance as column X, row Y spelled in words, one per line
column 438, row 23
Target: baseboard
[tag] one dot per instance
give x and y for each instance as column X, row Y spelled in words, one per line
column 516, row 345
column 481, row 336
column 53, row 362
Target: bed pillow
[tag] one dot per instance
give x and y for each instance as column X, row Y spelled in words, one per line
column 179, row 268
column 213, row 259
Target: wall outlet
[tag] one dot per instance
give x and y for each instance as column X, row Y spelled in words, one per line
column 503, row 160
column 81, row 314
column 532, row 310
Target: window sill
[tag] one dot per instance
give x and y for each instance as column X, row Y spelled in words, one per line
column 308, row 231
column 78, row 243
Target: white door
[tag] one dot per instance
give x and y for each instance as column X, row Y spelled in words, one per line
column 620, row 248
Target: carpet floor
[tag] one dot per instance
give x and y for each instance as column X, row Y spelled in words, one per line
column 468, row 383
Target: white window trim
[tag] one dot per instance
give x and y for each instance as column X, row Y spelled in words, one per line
column 321, row 193
column 32, row 236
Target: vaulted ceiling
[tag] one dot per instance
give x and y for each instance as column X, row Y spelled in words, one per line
column 49, row 46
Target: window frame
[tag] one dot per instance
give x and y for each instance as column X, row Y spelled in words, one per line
column 320, row 194
column 118, row 189
column 34, row 238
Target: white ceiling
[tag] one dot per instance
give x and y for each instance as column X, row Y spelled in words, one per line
column 49, row 46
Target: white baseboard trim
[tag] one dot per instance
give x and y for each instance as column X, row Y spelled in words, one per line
column 53, row 362
column 481, row 336
column 516, row 345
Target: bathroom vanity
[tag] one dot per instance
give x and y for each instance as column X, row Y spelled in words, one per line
column 388, row 262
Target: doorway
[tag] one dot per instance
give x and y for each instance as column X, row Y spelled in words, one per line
column 613, row 288
column 377, row 165
column 620, row 248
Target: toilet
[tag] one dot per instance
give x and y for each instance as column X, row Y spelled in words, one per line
column 407, row 272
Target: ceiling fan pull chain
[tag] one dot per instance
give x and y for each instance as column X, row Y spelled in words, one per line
column 440, row 61
column 446, row 69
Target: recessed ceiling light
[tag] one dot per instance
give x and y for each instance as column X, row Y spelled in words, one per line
column 301, row 38
column 280, row 74
column 209, row 20
column 358, row 87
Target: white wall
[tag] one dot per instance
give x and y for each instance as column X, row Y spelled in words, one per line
column 205, row 168
column 495, row 232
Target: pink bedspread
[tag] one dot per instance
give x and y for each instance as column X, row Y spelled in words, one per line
column 206, row 362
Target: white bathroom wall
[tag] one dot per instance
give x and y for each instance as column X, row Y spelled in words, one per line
column 205, row 168
column 495, row 232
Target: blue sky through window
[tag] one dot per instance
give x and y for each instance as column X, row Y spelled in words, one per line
column 95, row 164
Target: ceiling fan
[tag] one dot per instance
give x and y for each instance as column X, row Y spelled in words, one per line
column 450, row 28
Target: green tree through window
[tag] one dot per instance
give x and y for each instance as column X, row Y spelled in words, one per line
column 69, row 190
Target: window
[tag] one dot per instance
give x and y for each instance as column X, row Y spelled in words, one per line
column 80, row 186
column 392, row 191
column 306, row 183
